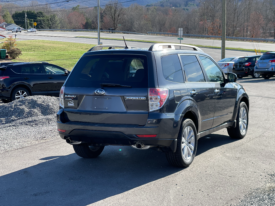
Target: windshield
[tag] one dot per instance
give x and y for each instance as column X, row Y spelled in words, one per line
column 227, row 59
column 92, row 71
column 268, row 56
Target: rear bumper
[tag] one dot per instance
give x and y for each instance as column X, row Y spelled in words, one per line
column 270, row 70
column 117, row 134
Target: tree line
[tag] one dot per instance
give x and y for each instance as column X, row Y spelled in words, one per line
column 245, row 18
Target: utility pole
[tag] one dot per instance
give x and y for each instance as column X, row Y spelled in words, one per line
column 98, row 21
column 223, row 28
column 25, row 20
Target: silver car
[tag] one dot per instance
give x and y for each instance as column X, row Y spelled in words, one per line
column 266, row 65
column 227, row 64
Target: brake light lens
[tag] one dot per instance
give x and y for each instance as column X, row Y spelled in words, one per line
column 226, row 65
column 61, row 97
column 61, row 130
column 272, row 62
column 157, row 98
column 4, row 77
column 247, row 64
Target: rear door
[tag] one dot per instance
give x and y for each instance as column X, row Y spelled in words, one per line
column 199, row 89
column 108, row 89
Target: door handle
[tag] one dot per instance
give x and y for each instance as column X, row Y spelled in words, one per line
column 193, row 92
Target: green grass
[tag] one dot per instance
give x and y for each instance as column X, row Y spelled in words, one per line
column 64, row 54
column 154, row 42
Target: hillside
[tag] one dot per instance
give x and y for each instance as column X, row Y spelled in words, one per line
column 176, row 3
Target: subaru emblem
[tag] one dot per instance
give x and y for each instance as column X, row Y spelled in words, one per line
column 100, row 92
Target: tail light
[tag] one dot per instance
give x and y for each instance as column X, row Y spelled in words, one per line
column 4, row 77
column 157, row 98
column 226, row 65
column 272, row 62
column 61, row 97
column 247, row 64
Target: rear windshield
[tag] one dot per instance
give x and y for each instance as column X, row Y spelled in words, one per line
column 268, row 56
column 227, row 59
column 242, row 60
column 91, row 71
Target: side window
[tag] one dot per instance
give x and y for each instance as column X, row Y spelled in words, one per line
column 50, row 69
column 171, row 68
column 38, row 69
column 16, row 69
column 213, row 73
column 192, row 68
column 25, row 69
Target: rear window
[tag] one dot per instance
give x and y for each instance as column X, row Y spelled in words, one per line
column 171, row 68
column 227, row 59
column 91, row 71
column 268, row 56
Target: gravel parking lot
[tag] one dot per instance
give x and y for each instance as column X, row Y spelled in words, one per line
column 47, row 172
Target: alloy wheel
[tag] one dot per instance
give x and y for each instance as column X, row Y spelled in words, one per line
column 188, row 143
column 256, row 75
column 21, row 94
column 243, row 120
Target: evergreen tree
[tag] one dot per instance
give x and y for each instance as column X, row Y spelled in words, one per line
column 7, row 17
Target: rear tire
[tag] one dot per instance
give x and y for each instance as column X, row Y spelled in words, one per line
column 240, row 130
column 186, row 146
column 255, row 75
column 87, row 151
column 266, row 76
column 19, row 93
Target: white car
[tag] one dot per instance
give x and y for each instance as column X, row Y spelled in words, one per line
column 18, row 29
column 32, row 30
column 227, row 64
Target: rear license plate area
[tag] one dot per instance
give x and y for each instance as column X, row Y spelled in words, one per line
column 101, row 103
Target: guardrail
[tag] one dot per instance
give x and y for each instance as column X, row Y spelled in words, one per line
column 165, row 34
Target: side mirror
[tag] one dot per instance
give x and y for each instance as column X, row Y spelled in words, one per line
column 66, row 72
column 231, row 77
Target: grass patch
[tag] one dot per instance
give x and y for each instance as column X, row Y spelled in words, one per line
column 155, row 42
column 64, row 54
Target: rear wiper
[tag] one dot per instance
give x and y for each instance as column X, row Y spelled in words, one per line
column 113, row 85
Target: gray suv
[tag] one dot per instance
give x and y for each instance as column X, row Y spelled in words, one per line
column 265, row 66
column 166, row 97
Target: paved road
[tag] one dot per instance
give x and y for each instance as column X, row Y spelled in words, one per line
column 205, row 42
column 223, row 172
column 215, row 53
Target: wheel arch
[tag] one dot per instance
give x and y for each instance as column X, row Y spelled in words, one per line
column 21, row 85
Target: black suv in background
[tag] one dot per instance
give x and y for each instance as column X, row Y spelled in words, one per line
column 166, row 97
column 245, row 66
column 19, row 80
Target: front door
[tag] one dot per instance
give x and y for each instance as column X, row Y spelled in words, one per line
column 224, row 94
column 201, row 91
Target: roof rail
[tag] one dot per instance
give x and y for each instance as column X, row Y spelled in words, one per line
column 160, row 47
column 100, row 47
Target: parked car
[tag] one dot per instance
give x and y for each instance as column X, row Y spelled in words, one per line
column 32, row 30
column 176, row 95
column 265, row 66
column 244, row 66
column 227, row 64
column 19, row 80
column 18, row 29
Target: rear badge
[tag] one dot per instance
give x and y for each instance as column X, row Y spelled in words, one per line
column 71, row 103
column 135, row 98
column 70, row 97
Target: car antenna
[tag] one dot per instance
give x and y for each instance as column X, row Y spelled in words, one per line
column 126, row 47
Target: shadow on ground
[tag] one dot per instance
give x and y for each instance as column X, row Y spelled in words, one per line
column 70, row 180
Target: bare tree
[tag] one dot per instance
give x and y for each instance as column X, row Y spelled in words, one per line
column 114, row 11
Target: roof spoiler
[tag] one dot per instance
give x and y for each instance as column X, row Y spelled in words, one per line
column 100, row 47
